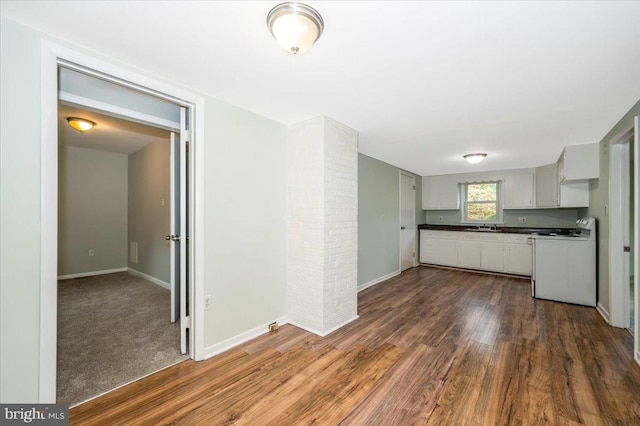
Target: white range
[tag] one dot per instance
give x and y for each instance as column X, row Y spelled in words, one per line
column 564, row 266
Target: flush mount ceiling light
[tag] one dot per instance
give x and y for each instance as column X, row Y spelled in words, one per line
column 295, row 26
column 474, row 158
column 80, row 124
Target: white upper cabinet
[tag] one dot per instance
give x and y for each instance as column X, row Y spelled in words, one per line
column 449, row 193
column 574, row 194
column 440, row 193
column 579, row 162
column 547, row 186
column 518, row 191
column 550, row 193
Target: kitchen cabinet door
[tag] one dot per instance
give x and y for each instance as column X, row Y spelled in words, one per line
column 547, row 186
column 492, row 257
column 440, row 193
column 449, row 190
column 517, row 259
column 574, row 194
column 579, row 162
column 518, row 191
column 448, row 252
column 469, row 255
column 428, row 248
column 430, row 193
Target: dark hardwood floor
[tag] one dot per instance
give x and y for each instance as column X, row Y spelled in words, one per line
column 431, row 346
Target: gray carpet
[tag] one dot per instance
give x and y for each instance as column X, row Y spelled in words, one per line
column 112, row 329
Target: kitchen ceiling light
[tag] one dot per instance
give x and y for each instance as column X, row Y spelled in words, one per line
column 474, row 158
column 295, row 26
column 80, row 124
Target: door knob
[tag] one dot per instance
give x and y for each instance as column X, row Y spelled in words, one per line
column 172, row 238
column 402, row 227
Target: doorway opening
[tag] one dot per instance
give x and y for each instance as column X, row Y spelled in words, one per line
column 188, row 271
column 115, row 319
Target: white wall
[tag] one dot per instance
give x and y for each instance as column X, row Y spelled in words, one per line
column 19, row 212
column 245, row 209
column 92, row 210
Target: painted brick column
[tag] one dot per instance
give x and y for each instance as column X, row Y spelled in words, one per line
column 322, row 225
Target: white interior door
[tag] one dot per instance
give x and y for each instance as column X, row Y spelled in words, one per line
column 178, row 233
column 174, row 230
column 407, row 221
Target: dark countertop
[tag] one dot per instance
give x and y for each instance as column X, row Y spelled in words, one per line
column 499, row 229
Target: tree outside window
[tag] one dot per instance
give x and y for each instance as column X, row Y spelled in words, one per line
column 482, row 202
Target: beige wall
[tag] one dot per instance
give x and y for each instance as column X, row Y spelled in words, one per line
column 599, row 198
column 92, row 210
column 149, row 178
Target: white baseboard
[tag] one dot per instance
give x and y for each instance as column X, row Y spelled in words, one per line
column 90, row 274
column 378, row 280
column 323, row 334
column 239, row 339
column 603, row 312
column 150, row 278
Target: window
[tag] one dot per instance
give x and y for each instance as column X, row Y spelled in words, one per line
column 481, row 202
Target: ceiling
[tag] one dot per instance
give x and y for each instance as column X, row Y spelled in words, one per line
column 422, row 82
column 110, row 135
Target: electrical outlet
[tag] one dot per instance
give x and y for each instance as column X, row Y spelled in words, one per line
column 92, row 252
column 207, row 302
column 522, row 220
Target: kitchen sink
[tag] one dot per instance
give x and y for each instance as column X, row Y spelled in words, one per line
column 482, row 230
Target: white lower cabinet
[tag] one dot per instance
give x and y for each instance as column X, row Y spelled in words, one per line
column 439, row 247
column 469, row 254
column 492, row 257
column 517, row 254
column 448, row 250
column 494, row 252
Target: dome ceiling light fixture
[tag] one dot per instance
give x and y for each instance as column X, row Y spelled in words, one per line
column 80, row 124
column 474, row 158
column 295, row 26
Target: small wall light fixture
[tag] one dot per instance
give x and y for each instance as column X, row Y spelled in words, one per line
column 295, row 26
column 80, row 124
column 474, row 158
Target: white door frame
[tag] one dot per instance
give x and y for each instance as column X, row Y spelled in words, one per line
column 636, row 234
column 413, row 204
column 618, row 227
column 51, row 54
column 618, row 314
